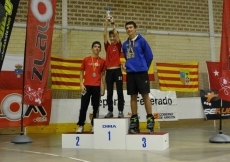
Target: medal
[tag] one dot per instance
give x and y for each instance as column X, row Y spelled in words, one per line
column 130, row 55
column 95, row 64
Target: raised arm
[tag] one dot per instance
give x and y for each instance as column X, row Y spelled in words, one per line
column 105, row 31
column 115, row 30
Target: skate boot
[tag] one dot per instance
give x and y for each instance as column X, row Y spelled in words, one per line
column 150, row 124
column 134, row 125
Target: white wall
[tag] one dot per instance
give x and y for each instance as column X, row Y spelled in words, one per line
column 67, row 110
column 190, row 108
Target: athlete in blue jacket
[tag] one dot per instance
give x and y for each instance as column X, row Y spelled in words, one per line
column 139, row 56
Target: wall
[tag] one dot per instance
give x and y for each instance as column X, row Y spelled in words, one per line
column 176, row 31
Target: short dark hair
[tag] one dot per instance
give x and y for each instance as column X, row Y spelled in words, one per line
column 112, row 32
column 131, row 23
column 96, row 42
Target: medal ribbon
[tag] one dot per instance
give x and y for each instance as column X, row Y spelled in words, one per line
column 94, row 67
column 131, row 46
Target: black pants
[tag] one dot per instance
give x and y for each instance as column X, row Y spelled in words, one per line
column 93, row 93
column 114, row 75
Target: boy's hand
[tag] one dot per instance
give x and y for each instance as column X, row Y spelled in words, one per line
column 102, row 90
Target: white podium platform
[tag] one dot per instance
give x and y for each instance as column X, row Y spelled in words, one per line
column 145, row 141
column 110, row 133
column 83, row 140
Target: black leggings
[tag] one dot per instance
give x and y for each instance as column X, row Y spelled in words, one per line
column 114, row 75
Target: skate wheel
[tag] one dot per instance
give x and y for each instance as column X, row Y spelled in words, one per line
column 132, row 131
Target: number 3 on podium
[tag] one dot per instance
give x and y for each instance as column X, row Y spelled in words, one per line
column 144, row 142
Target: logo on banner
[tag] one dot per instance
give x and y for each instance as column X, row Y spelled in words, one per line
column 214, row 111
column 164, row 116
column 35, row 95
column 37, row 10
column 11, row 108
column 18, row 70
column 210, row 96
column 184, row 77
column 224, row 83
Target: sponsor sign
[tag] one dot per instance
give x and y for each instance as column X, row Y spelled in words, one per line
column 164, row 106
column 212, row 105
column 11, row 110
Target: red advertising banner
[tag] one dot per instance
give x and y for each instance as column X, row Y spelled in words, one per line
column 224, row 92
column 10, row 81
column 39, row 33
column 11, row 109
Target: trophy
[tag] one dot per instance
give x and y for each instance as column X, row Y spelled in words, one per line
column 108, row 10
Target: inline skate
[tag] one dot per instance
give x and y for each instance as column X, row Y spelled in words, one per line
column 134, row 125
column 150, row 124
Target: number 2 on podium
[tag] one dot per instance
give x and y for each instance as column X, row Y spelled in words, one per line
column 77, row 141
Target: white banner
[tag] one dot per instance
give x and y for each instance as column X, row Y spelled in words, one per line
column 164, row 106
column 10, row 61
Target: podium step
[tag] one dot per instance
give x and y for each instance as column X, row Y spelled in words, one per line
column 145, row 141
column 73, row 140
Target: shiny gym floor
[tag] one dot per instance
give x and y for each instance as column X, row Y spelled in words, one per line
column 185, row 144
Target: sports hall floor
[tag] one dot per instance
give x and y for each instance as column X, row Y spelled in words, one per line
column 185, row 144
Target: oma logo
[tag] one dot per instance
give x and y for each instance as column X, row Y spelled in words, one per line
column 109, row 126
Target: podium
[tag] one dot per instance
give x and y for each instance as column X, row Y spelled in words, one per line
column 112, row 133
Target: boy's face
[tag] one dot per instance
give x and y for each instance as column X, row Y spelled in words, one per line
column 112, row 38
column 96, row 48
column 130, row 30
